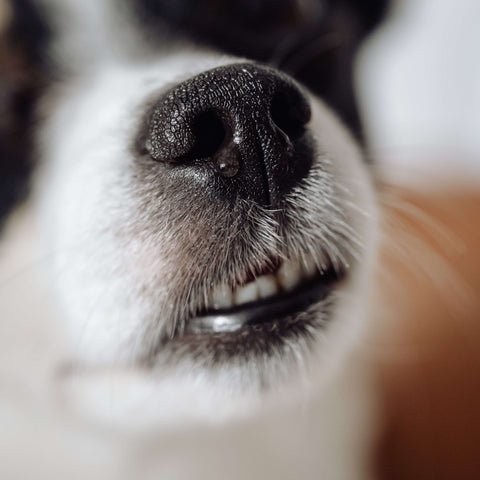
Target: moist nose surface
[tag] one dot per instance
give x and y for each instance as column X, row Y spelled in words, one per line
column 238, row 130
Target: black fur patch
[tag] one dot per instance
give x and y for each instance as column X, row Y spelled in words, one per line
column 23, row 69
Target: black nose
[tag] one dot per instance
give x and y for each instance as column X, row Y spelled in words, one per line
column 238, row 131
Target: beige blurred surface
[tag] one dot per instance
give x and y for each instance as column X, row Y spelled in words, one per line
column 428, row 346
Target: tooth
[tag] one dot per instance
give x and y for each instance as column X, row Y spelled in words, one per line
column 246, row 294
column 267, row 286
column 222, row 297
column 288, row 275
column 309, row 269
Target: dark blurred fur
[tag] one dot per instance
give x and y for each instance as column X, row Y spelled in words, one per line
column 23, row 76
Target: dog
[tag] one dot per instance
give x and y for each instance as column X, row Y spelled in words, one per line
column 207, row 223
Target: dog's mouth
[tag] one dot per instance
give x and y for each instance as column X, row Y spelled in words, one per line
column 280, row 294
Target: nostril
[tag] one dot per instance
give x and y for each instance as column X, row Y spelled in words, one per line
column 209, row 133
column 290, row 113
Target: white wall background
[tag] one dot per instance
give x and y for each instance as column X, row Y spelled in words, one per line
column 419, row 76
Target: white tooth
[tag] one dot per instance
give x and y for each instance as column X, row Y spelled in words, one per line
column 309, row 269
column 267, row 286
column 288, row 275
column 247, row 293
column 222, row 297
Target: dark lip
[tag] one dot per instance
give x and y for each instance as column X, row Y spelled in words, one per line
column 276, row 308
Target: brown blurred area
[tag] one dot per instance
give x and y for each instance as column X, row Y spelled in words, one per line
column 428, row 347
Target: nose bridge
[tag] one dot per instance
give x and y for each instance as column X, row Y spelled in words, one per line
column 245, row 85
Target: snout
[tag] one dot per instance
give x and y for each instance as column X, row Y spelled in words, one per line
column 218, row 219
column 234, row 132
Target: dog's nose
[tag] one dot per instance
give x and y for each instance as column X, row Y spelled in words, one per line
column 237, row 130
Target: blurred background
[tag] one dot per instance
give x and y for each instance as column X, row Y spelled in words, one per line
column 419, row 88
column 418, row 81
